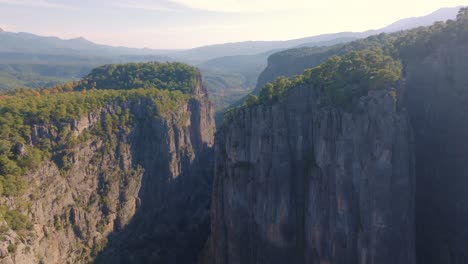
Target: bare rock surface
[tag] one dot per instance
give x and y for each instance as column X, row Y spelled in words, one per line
column 301, row 182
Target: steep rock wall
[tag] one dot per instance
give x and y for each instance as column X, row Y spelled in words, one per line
column 172, row 224
column 437, row 99
column 114, row 185
column 299, row 182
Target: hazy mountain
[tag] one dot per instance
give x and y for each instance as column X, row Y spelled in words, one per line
column 355, row 161
column 442, row 14
column 294, row 61
column 30, row 43
column 253, row 58
column 22, row 42
column 230, row 70
column 230, row 78
column 256, row 47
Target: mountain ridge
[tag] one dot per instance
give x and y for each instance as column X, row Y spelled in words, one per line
column 297, row 60
column 225, row 82
column 251, row 47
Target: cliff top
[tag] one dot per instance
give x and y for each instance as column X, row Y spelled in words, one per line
column 164, row 76
column 167, row 86
column 341, row 78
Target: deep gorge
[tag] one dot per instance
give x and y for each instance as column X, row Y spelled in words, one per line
column 360, row 159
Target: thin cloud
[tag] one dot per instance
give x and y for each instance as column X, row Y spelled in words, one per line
column 160, row 5
column 224, row 6
column 35, row 3
column 248, row 6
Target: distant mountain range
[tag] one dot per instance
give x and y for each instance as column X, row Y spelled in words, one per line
column 33, row 44
column 256, row 47
column 227, row 67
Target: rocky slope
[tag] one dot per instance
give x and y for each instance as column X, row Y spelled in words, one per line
column 302, row 182
column 173, row 221
column 113, row 185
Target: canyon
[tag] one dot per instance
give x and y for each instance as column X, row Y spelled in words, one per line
column 359, row 158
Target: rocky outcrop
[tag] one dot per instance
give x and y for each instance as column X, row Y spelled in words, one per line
column 70, row 213
column 172, row 223
column 112, row 193
column 302, row 182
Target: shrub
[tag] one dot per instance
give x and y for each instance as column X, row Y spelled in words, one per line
column 17, row 221
column 13, row 185
column 251, row 100
column 11, row 248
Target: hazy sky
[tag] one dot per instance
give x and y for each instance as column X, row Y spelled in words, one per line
column 191, row 23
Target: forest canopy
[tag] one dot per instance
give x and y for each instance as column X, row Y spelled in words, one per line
column 341, row 78
column 164, row 76
column 373, row 63
column 166, row 85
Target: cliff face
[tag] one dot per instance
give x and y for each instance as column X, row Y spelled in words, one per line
column 437, row 99
column 73, row 210
column 172, row 224
column 435, row 62
column 119, row 184
column 299, row 182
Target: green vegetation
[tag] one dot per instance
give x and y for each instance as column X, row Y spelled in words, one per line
column 17, row 221
column 420, row 42
column 348, row 71
column 13, row 76
column 37, row 125
column 11, row 248
column 251, row 100
column 10, row 82
column 165, row 76
column 225, row 88
column 295, row 61
column 98, row 247
column 341, row 78
column 272, row 91
column 21, row 112
column 353, row 75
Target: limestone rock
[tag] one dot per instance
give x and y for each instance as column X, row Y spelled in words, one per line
column 299, row 182
column 112, row 197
